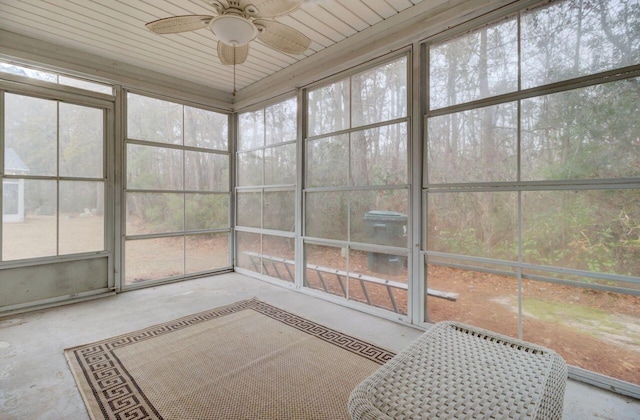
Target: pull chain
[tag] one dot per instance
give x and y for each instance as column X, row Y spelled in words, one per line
column 234, row 71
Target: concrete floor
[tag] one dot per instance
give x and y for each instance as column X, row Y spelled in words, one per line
column 35, row 381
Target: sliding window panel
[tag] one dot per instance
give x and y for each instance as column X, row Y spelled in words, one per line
column 586, row 133
column 279, row 210
column 81, row 221
column 568, row 39
column 326, row 215
column 36, row 235
column 278, row 257
column 206, row 252
column 249, row 209
column 206, row 171
column 206, row 211
column 328, row 161
column 151, row 213
column 250, row 168
column 251, row 130
column 378, row 279
column 379, row 217
column 154, row 168
column 592, row 230
column 281, row 122
column 81, row 140
column 326, row 269
column 479, row 145
column 206, row 129
column 379, row 94
column 153, row 259
column 479, row 224
column 477, row 65
column 280, row 165
column 83, row 84
column 249, row 251
column 595, row 330
column 329, row 108
column 153, row 119
column 379, row 156
column 30, row 136
column 487, row 299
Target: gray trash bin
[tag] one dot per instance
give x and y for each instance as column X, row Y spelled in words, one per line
column 386, row 228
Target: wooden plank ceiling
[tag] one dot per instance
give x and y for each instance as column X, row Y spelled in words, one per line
column 114, row 29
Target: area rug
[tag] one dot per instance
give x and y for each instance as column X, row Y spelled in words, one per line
column 246, row 360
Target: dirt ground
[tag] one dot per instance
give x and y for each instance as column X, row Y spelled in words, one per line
column 594, row 330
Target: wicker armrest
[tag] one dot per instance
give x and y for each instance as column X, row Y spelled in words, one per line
column 455, row 370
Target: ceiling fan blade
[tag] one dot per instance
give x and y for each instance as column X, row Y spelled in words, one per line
column 226, row 53
column 271, row 8
column 176, row 24
column 281, row 37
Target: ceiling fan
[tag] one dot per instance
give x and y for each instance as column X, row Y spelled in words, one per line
column 236, row 23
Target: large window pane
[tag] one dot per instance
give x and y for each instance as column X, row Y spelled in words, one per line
column 478, row 145
column 591, row 329
column 477, row 65
column 251, row 130
column 30, row 136
column 206, row 251
column 379, row 94
column 249, row 251
column 326, row 269
column 280, row 165
column 206, row 211
column 249, row 209
column 154, row 213
column 153, row 119
column 481, row 224
column 326, row 215
column 206, row 171
column 379, row 156
column 378, row 279
column 81, row 141
column 206, row 129
column 153, row 259
column 584, row 133
column 380, row 217
column 81, row 217
column 594, row 230
column 328, row 161
column 485, row 300
column 250, row 168
column 328, row 108
column 279, row 210
column 36, row 236
column 156, row 168
column 278, row 257
column 573, row 38
column 281, row 121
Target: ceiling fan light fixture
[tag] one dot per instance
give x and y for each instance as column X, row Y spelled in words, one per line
column 233, row 30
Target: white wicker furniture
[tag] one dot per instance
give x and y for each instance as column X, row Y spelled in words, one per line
column 458, row 371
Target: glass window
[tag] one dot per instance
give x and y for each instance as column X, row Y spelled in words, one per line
column 154, row 120
column 568, row 39
column 479, row 145
column 329, row 108
column 44, row 215
column 379, row 94
column 178, row 191
column 586, row 133
column 474, row 66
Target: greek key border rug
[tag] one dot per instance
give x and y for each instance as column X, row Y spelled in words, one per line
column 246, row 360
